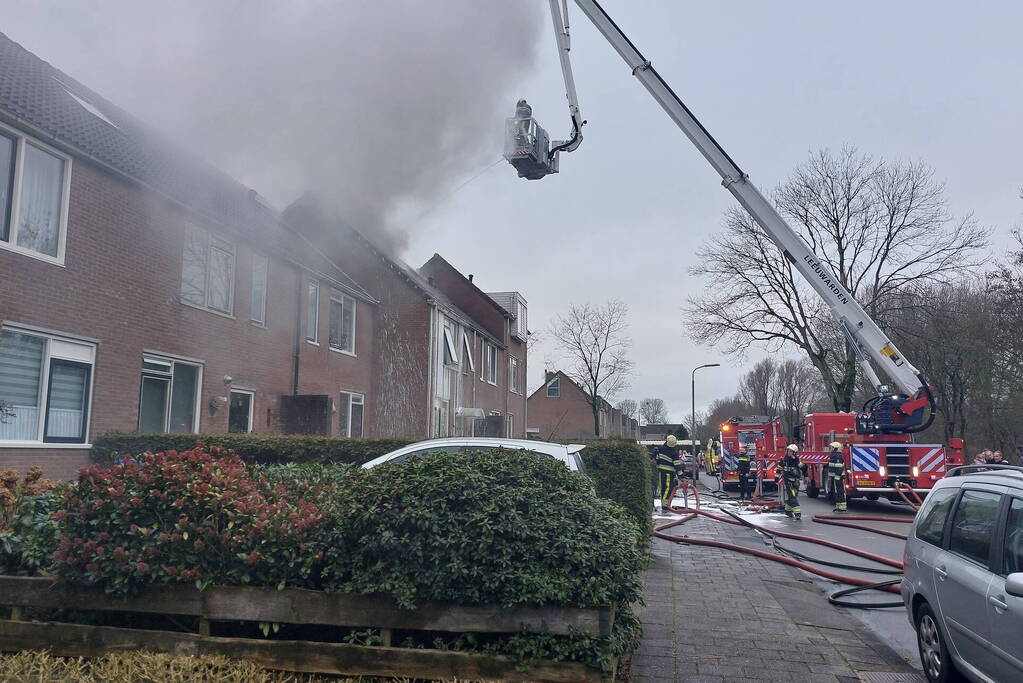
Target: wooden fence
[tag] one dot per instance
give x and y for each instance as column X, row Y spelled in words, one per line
column 293, row 606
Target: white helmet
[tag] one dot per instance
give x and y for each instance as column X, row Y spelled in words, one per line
column 671, row 440
column 792, row 447
column 835, row 444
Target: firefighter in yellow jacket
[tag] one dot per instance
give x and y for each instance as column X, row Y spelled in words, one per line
column 836, row 474
column 791, row 474
column 665, row 458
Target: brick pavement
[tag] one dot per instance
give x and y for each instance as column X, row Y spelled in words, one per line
column 780, row 628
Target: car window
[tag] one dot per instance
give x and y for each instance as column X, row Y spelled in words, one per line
column 578, row 462
column 973, row 525
column 1014, row 538
column 932, row 520
column 423, row 452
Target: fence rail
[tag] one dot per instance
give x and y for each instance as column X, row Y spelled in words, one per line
column 293, row 606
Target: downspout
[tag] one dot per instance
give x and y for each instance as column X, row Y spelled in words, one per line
column 431, row 384
column 298, row 333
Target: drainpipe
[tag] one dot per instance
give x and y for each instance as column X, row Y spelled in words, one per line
column 431, row 383
column 298, row 333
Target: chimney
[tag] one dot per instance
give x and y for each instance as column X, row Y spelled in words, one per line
column 470, row 278
column 549, row 375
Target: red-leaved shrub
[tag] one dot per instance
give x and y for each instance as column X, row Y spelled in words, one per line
column 195, row 516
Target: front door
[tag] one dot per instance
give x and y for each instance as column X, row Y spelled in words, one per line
column 962, row 575
column 1006, row 611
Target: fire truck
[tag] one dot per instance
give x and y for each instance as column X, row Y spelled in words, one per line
column 875, row 464
column 879, row 443
column 758, row 435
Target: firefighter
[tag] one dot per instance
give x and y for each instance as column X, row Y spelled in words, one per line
column 791, row 476
column 836, row 473
column 709, row 458
column 743, row 464
column 665, row 457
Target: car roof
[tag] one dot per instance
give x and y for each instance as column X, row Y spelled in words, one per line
column 1004, row 475
column 512, row 443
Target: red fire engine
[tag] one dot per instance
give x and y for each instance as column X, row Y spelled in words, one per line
column 758, row 435
column 875, row 464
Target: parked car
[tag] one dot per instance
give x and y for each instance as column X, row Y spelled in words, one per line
column 568, row 454
column 963, row 587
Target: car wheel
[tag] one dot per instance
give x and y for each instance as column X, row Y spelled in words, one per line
column 934, row 657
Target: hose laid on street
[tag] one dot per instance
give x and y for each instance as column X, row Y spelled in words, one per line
column 835, row 598
column 840, row 520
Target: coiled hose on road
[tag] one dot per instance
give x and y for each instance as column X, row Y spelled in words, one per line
column 792, row 558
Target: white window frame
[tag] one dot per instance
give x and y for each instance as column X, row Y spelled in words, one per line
column 467, row 348
column 344, row 300
column 312, row 285
column 44, row 387
column 354, row 398
column 513, row 375
column 252, row 407
column 171, row 360
column 11, row 244
column 489, row 367
column 449, row 351
column 556, row 383
column 212, row 242
column 265, row 260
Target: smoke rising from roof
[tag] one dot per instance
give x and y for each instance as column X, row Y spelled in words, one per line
column 362, row 103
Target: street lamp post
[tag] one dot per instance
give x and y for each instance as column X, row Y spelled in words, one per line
column 692, row 437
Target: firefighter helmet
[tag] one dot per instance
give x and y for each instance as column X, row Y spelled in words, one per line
column 835, row 444
column 671, row 441
column 792, row 447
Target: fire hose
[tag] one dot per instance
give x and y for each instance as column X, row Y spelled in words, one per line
column 788, row 556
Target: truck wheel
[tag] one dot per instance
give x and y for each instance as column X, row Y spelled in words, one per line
column 873, row 496
column 812, row 490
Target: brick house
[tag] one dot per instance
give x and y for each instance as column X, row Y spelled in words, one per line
column 144, row 289
column 560, row 410
column 450, row 360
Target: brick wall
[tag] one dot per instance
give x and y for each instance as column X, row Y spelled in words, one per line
column 120, row 285
column 563, row 417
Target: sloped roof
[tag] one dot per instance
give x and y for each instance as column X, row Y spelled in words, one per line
column 47, row 103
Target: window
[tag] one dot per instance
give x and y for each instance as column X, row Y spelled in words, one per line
column 931, row 526
column 342, row 323
column 974, row 524
column 350, row 415
column 513, row 375
column 440, row 418
column 46, row 384
column 450, row 352
column 468, row 363
column 33, row 197
column 169, row 396
column 239, row 419
column 489, row 363
column 1014, row 538
column 260, row 271
column 554, row 388
column 207, row 271
column 510, row 426
column 312, row 314
column 519, row 328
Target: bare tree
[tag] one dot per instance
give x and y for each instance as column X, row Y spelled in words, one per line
column 652, row 411
column 757, row 387
column 882, row 227
column 596, row 342
column 628, row 408
column 798, row 391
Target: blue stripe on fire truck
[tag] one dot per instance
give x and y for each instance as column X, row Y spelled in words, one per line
column 729, row 460
column 866, row 459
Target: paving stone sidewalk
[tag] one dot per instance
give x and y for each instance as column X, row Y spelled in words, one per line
column 698, row 626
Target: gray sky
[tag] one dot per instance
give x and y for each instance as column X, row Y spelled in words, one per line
column 937, row 81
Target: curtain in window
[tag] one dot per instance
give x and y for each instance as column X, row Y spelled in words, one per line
column 334, row 333
column 193, row 266
column 153, row 405
column 183, row 394
column 259, row 272
column 343, row 413
column 357, row 410
column 42, row 185
column 348, row 325
column 312, row 319
column 6, row 184
column 21, row 371
column 65, row 406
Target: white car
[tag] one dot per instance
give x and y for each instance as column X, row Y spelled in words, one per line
column 568, row 454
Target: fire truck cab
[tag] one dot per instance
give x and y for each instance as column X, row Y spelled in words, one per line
column 875, row 463
column 758, row 435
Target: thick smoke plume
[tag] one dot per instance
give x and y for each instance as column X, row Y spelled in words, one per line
column 366, row 103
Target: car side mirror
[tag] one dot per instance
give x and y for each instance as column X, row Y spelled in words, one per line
column 1014, row 584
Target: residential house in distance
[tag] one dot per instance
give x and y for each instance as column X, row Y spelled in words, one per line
column 559, row 410
column 450, row 360
column 145, row 290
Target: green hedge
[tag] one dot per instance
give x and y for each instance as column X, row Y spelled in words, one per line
column 262, row 449
column 622, row 472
